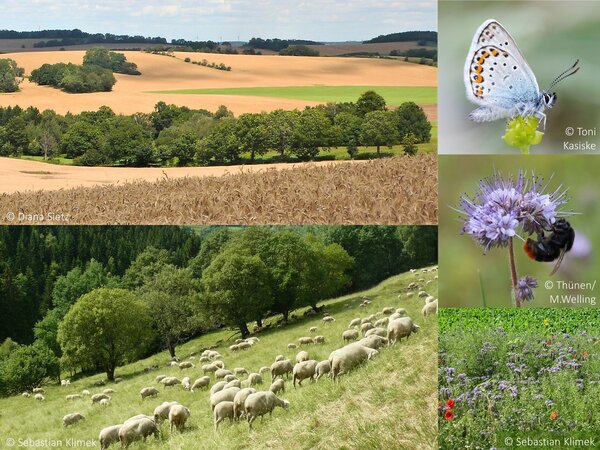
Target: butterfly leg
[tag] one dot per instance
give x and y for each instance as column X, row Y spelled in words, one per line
column 542, row 118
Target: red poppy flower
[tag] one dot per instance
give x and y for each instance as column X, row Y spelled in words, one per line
column 439, row 403
column 548, row 342
column 450, row 403
column 553, row 415
column 448, row 415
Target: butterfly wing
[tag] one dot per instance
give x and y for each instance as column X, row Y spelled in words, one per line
column 496, row 73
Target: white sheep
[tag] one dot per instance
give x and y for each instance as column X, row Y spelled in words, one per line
column 74, row 396
column 72, row 418
column 186, row 365
column 238, row 401
column 381, row 322
column 39, row 397
column 185, row 383
column 117, row 380
column 323, row 368
column 303, row 370
column 201, row 382
column 108, row 391
column 354, row 322
column 301, row 356
column 161, row 412
column 208, row 368
column 178, row 416
column 366, row 327
column 261, row 403
column 65, row 382
column 229, row 378
column 305, row 340
column 430, row 308
column 279, row 358
column 148, row 392
column 264, row 369
column 422, row 294
column 218, row 387
column 159, row 378
column 387, row 310
column 140, row 416
column 280, row 368
column 234, row 348
column 225, row 395
column 401, row 311
column 328, row 319
column 346, row 358
column 222, row 411
column 240, row 371
column 399, row 328
column 378, row 331
column 85, row 393
column 97, row 397
column 312, row 330
column 367, row 319
column 25, row 394
column 38, row 391
column 319, row 339
column 244, row 345
column 222, row 373
column 277, row 386
column 291, row 346
column 105, row 402
column 350, row 335
column 233, row 383
column 135, row 430
column 109, row 436
column 374, row 341
column 170, row 381
column 253, row 380
column 204, row 359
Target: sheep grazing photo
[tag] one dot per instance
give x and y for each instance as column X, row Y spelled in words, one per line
column 220, row 337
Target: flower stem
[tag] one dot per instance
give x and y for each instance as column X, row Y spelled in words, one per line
column 513, row 271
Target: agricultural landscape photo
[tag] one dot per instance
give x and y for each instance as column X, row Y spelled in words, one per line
column 145, row 336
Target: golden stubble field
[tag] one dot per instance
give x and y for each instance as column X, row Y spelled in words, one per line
column 132, row 94
column 398, row 190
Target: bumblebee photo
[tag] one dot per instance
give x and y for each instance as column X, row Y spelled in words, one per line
column 519, row 231
column 517, row 77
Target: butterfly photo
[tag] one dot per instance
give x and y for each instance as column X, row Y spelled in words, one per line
column 503, row 64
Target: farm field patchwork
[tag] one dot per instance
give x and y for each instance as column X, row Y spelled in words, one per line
column 507, row 373
column 387, row 403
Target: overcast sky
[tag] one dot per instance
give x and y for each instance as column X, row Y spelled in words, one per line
column 321, row 20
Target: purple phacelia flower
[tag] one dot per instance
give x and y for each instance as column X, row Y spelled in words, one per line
column 549, row 403
column 525, row 287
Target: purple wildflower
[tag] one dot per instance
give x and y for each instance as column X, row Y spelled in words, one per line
column 549, row 403
column 525, row 287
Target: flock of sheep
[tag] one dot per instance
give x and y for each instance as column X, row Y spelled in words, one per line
column 235, row 399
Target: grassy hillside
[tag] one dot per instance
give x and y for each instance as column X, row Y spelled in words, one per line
column 388, row 403
column 394, row 95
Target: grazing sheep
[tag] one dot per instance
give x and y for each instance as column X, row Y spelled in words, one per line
column 139, row 416
column 104, row 402
column 117, row 380
column 109, row 436
column 374, row 341
column 148, row 392
column 277, row 386
column 161, row 412
column 291, row 346
column 346, row 358
column 38, row 391
column 422, row 294
column 108, row 391
column 301, row 356
column 85, row 392
column 97, row 397
column 135, row 430
column 254, row 379
column 396, row 315
column 354, row 322
column 279, row 358
column 280, row 368
column 178, row 416
column 430, row 308
column 222, row 411
column 319, row 339
column 173, row 364
column 303, row 370
column 381, row 322
column 99, row 383
column 305, row 340
column 159, row 378
column 323, row 368
column 244, row 346
column 401, row 311
column 229, row 378
column 74, row 396
column 350, row 335
column 222, row 373
column 170, row 381
column 186, row 365
column 234, row 348
column 240, row 371
column 39, row 397
column 27, row 394
column 400, row 328
column 387, row 310
column 185, row 383
column 238, row 401
column 377, row 331
column 65, row 382
column 217, row 387
column 72, row 418
column 366, row 327
column 239, row 341
column 367, row 319
column 264, row 369
column 204, row 359
column 208, row 368
column 260, row 403
column 219, row 364
column 312, row 330
column 226, row 395
column 328, row 319
column 233, row 383
column 201, row 383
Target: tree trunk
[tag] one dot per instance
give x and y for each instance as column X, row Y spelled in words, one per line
column 110, row 372
column 286, row 315
column 378, row 147
column 244, row 330
column 259, row 323
column 315, row 309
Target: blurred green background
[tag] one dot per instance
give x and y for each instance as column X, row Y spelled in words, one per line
column 461, row 259
column 551, row 36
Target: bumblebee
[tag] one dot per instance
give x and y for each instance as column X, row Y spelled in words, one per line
column 551, row 244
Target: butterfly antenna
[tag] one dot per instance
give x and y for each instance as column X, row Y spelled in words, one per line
column 567, row 73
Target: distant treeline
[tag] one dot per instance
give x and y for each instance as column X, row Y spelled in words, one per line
column 177, row 136
column 278, row 44
column 405, row 36
column 417, row 53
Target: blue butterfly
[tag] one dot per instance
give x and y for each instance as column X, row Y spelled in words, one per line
column 500, row 81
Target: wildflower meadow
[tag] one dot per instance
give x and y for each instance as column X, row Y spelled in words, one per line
column 519, row 372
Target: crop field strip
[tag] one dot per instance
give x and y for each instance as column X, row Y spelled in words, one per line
column 399, row 190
